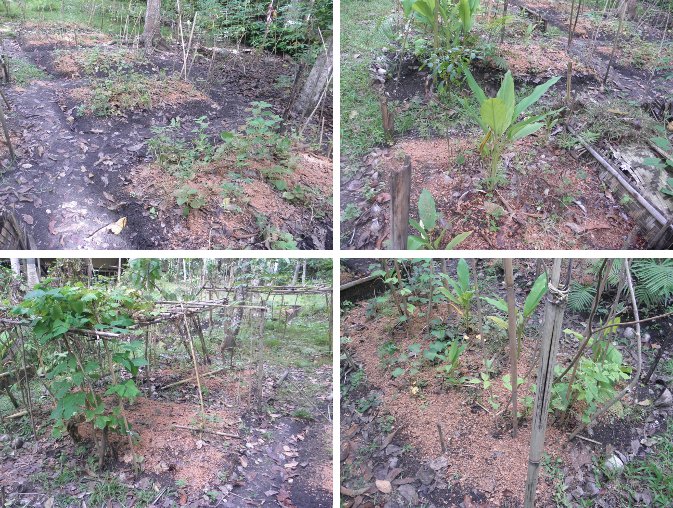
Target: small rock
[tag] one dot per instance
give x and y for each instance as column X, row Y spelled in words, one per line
column 409, row 493
column 439, row 463
column 17, row 443
column 665, row 399
column 591, row 489
column 646, row 337
column 393, row 449
column 629, row 333
column 614, row 464
column 4, row 437
column 425, row 475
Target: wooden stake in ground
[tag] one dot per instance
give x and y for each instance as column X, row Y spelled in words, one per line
column 5, row 130
column 569, row 83
column 511, row 332
column 260, row 358
column 387, row 120
column 400, row 198
column 551, row 335
column 196, row 367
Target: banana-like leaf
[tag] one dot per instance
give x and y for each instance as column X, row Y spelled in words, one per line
column 494, row 115
column 427, row 210
column 463, row 275
column 457, row 240
column 527, row 130
column 425, row 10
column 533, row 299
column 498, row 303
column 474, row 86
column 448, row 294
column 506, row 93
column 474, row 5
column 414, row 242
column 465, row 14
column 538, row 92
column 499, row 322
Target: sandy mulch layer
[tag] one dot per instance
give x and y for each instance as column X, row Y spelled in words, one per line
column 481, row 454
column 179, row 452
column 533, row 215
column 156, row 188
column 544, row 59
column 42, row 35
column 321, row 477
column 169, row 92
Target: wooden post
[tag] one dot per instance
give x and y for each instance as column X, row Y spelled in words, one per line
column 551, row 335
column 400, row 197
column 504, row 23
column 260, row 359
column 387, row 119
column 569, row 81
column 511, row 332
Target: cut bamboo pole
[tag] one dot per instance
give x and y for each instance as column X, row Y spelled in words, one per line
column 511, row 332
column 196, row 371
column 551, row 335
column 5, row 130
column 654, row 211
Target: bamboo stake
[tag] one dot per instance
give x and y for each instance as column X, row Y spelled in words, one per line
column 208, row 431
column 196, row 370
column 511, row 332
column 551, row 335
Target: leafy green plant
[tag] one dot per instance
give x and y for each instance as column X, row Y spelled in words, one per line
column 445, row 25
column 189, row 198
column 499, row 118
column 596, row 378
column 462, row 292
column 581, row 297
column 427, row 227
column 533, row 299
column 450, row 358
column 54, row 312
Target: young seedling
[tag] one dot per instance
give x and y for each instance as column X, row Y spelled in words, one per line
column 499, row 115
column 431, row 237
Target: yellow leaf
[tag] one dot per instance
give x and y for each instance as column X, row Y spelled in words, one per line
column 116, row 227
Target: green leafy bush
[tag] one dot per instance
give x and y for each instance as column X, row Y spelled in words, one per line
column 499, row 115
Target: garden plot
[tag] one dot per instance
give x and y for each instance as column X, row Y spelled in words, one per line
column 417, row 431
column 548, row 191
column 250, row 428
column 98, row 126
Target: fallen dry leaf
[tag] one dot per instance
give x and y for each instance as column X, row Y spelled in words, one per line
column 384, row 486
column 28, row 219
column 117, row 227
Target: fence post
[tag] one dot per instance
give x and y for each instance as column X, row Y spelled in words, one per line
column 551, row 335
column 400, row 196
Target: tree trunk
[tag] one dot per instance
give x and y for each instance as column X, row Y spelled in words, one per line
column 152, row 24
column 631, row 8
column 16, row 266
column 295, row 276
column 232, row 328
column 31, row 273
column 318, row 80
